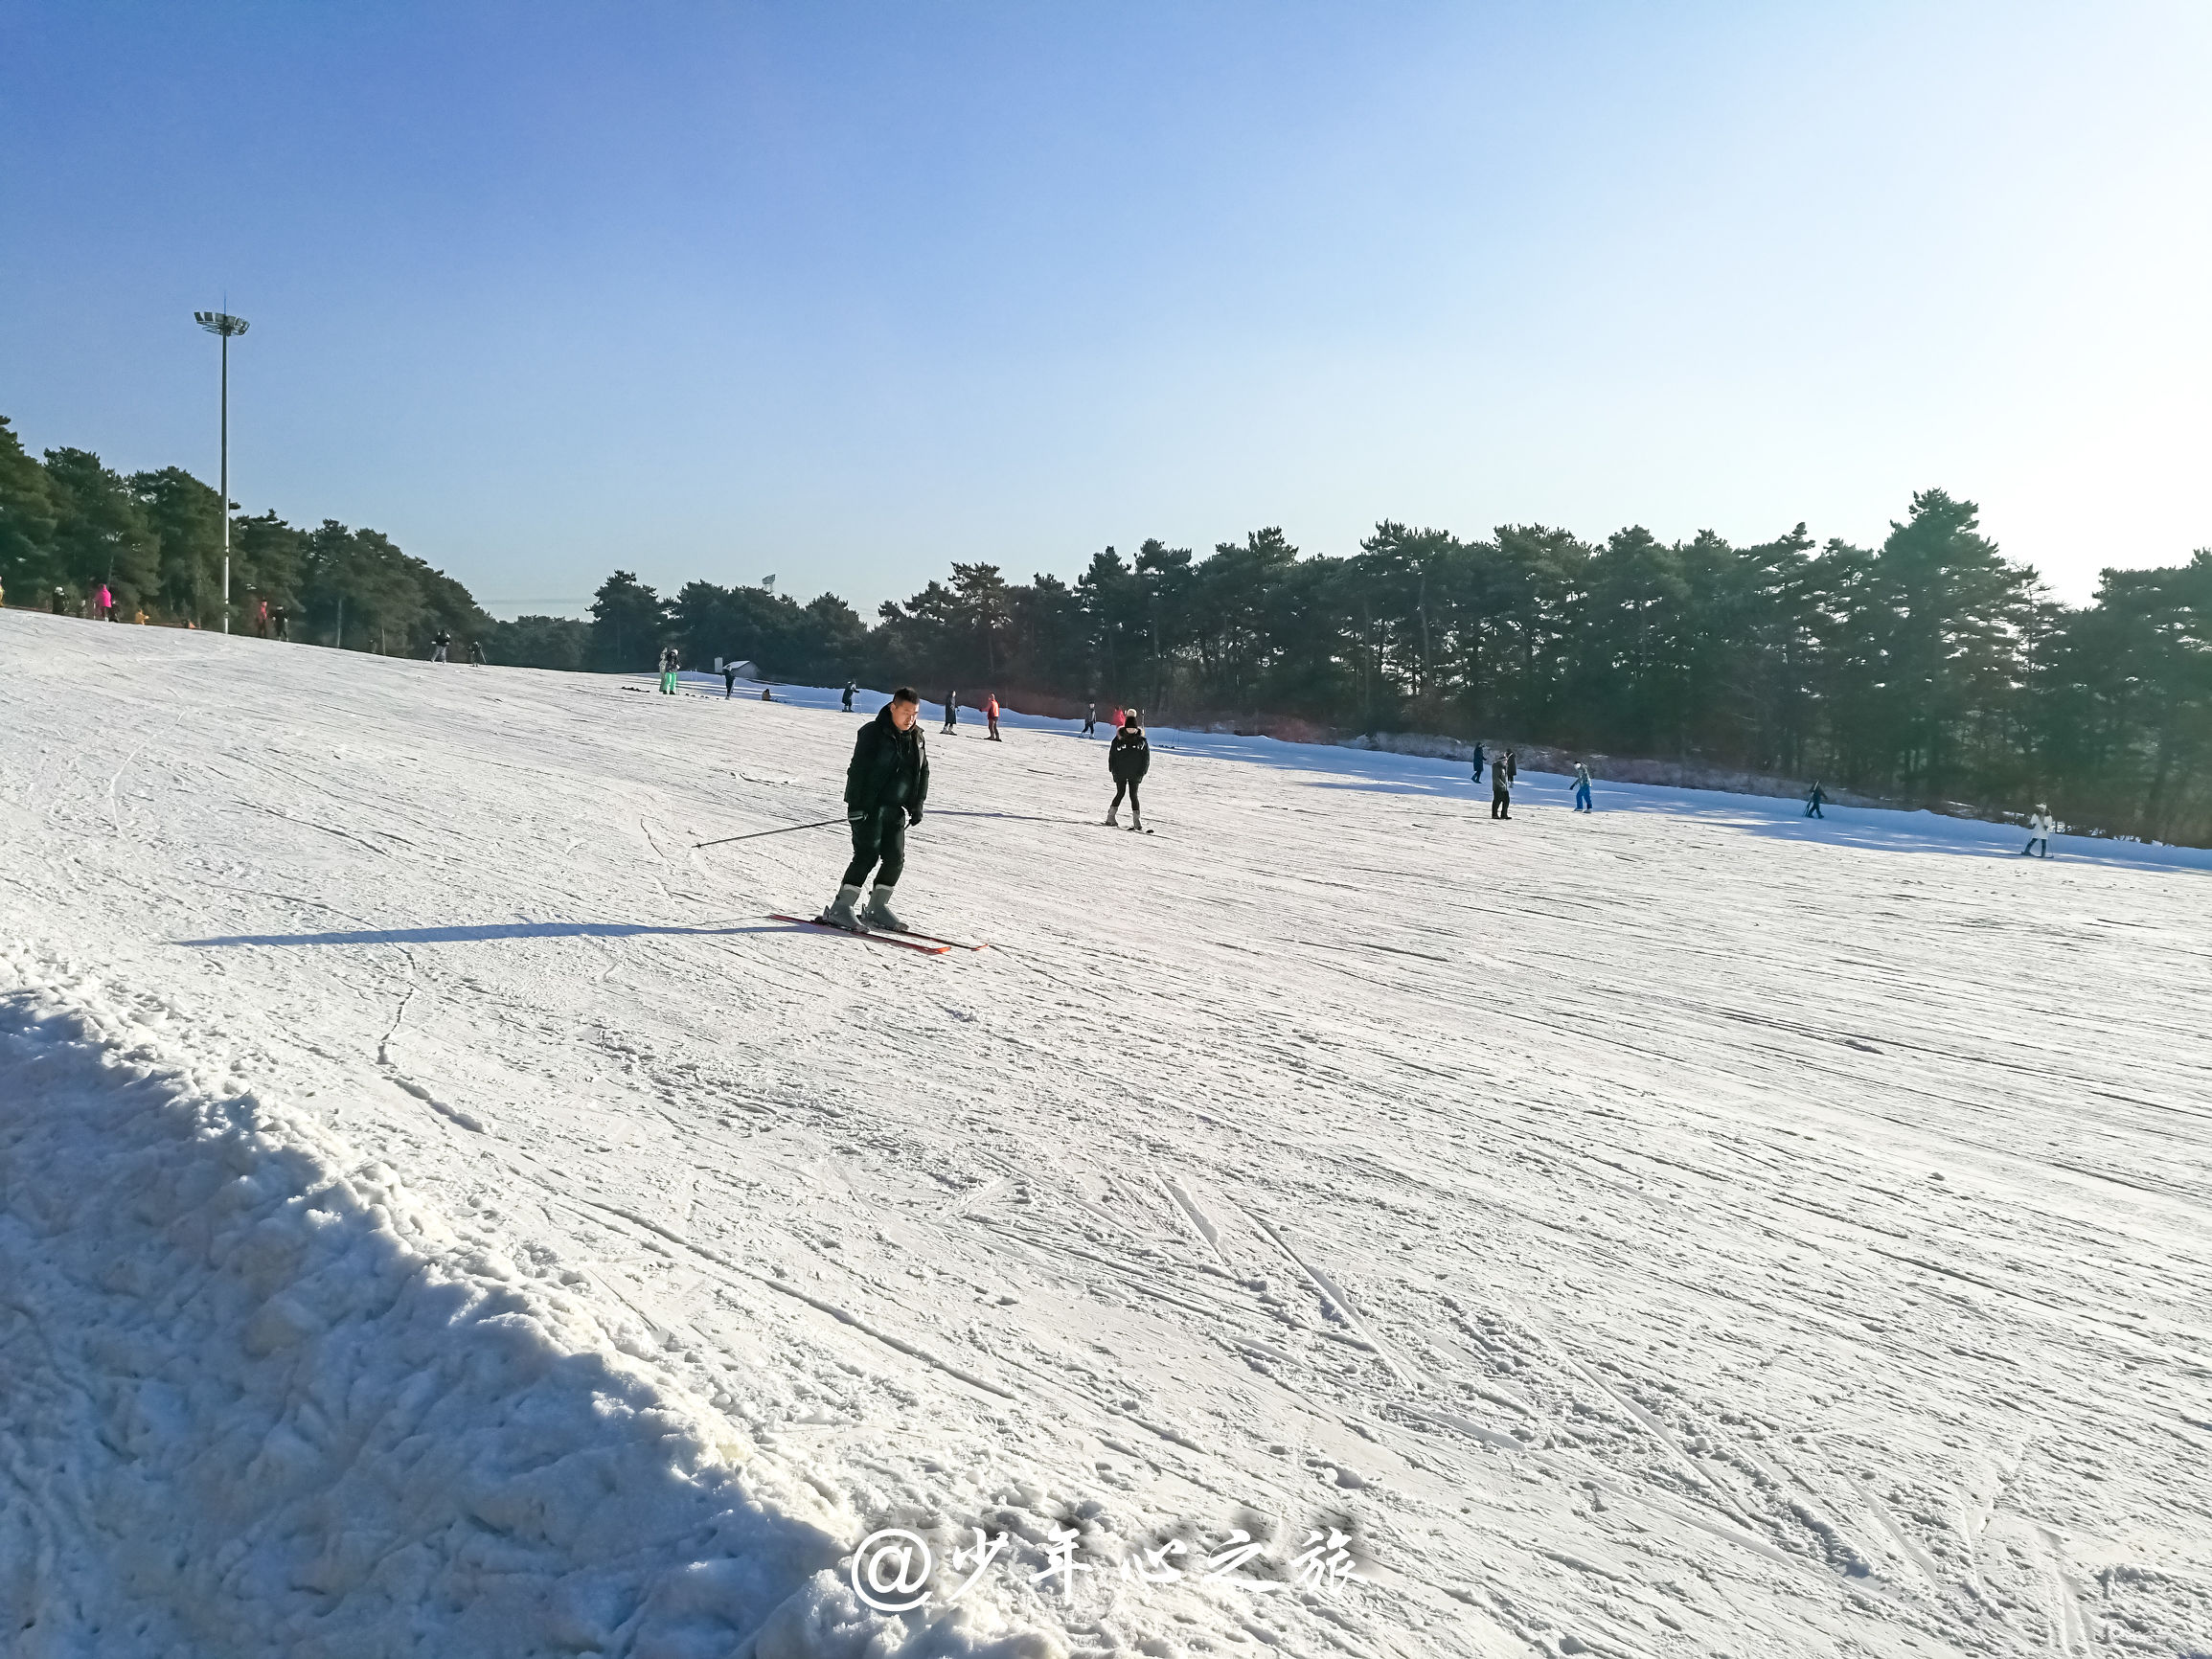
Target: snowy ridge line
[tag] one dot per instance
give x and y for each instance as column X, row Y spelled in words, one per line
column 256, row 1404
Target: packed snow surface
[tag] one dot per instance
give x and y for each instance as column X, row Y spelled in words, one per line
column 441, row 1212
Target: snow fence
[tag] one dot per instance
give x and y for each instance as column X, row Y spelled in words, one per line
column 260, row 1401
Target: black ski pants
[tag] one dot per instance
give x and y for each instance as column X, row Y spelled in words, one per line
column 1500, row 805
column 881, row 834
column 1126, row 786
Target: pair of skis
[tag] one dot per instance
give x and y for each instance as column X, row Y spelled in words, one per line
column 926, row 943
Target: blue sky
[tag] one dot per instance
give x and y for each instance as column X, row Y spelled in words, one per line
column 844, row 293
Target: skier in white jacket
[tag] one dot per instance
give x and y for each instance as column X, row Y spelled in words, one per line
column 2040, row 827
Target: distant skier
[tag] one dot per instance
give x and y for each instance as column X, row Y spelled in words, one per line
column 885, row 788
column 439, row 642
column 991, row 715
column 104, row 603
column 476, row 653
column 281, row 623
column 1478, row 760
column 671, row 662
column 850, row 685
column 1090, row 720
column 262, row 619
column 1128, row 758
column 1814, row 798
column 1115, row 719
column 952, row 710
column 1582, row 789
column 1511, row 766
column 1502, row 790
column 729, row 680
column 2040, row 827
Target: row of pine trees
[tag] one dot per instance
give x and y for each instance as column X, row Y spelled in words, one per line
column 1928, row 670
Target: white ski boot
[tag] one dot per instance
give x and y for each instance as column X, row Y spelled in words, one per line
column 840, row 913
column 1113, row 819
column 879, row 913
column 1136, row 822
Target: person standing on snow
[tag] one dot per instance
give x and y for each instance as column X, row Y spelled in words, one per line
column 1478, row 760
column 952, row 710
column 476, row 653
column 885, row 788
column 850, row 685
column 262, row 619
column 990, row 714
column 281, row 623
column 1813, row 797
column 1511, row 766
column 1501, row 790
column 439, row 641
column 729, row 680
column 2040, row 827
column 1090, row 720
column 104, row 603
column 1128, row 758
column 669, row 664
column 1582, row 787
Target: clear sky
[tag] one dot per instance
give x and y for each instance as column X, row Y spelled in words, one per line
column 846, row 292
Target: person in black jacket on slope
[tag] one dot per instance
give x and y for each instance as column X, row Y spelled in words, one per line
column 885, row 787
column 1128, row 758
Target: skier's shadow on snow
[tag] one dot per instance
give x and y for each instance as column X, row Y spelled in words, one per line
column 476, row 934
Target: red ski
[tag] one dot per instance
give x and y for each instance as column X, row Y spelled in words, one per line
column 949, row 944
column 934, row 947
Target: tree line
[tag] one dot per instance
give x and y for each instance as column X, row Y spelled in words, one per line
column 1928, row 669
column 71, row 525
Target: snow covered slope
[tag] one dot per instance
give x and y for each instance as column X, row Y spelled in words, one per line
column 439, row 1213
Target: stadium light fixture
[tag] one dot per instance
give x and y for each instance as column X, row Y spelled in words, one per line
column 224, row 324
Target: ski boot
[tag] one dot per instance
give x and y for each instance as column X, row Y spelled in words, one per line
column 839, row 913
column 1113, row 819
column 879, row 913
column 1136, row 822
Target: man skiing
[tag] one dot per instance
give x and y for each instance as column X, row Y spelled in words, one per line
column 729, row 680
column 1090, row 720
column 670, row 663
column 281, row 622
column 850, row 685
column 885, row 788
column 1478, row 760
column 1511, row 766
column 1582, row 787
column 476, row 653
column 1813, row 797
column 991, row 715
column 1128, row 758
column 439, row 641
column 2040, row 827
column 1501, row 788
column 952, row 710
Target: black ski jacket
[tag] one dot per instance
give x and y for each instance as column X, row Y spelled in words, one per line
column 1129, row 756
column 890, row 767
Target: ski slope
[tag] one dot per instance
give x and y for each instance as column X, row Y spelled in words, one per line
column 439, row 1213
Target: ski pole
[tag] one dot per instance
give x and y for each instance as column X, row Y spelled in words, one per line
column 756, row 833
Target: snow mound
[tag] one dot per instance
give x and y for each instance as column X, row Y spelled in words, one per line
column 260, row 1399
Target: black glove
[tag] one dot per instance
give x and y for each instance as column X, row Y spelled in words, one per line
column 913, row 814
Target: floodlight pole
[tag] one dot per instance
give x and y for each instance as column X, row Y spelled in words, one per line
column 223, row 323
